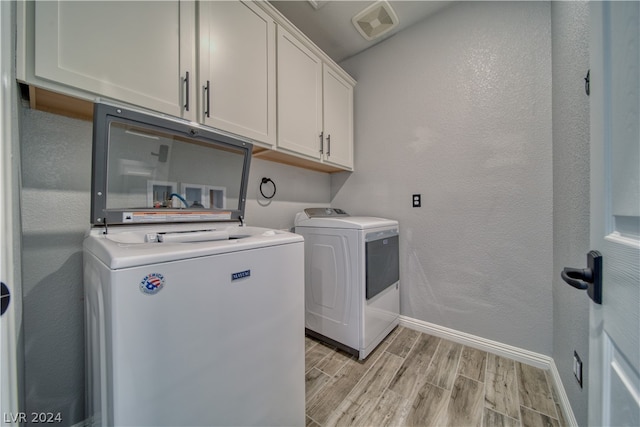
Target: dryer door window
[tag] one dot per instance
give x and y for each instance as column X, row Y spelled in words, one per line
column 382, row 253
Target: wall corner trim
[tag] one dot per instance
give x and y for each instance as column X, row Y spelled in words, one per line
column 521, row 355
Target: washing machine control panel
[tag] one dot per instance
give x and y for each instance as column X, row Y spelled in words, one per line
column 325, row 212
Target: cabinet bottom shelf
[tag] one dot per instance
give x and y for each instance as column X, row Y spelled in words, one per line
column 69, row 106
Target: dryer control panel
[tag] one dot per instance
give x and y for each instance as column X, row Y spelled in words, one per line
column 325, row 212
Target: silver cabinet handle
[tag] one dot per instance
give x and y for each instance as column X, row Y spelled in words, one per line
column 328, row 145
column 186, row 91
column 321, row 142
column 207, row 100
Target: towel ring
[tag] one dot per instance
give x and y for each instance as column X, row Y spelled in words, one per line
column 266, row 181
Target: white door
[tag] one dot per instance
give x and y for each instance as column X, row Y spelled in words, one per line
column 337, row 118
column 299, row 97
column 9, row 252
column 129, row 51
column 237, row 69
column 614, row 351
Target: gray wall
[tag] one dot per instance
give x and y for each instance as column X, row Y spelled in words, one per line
column 458, row 108
column 56, row 177
column 296, row 189
column 570, row 35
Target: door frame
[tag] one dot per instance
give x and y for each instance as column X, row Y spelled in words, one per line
column 10, row 260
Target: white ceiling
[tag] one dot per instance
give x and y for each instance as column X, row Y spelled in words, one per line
column 330, row 25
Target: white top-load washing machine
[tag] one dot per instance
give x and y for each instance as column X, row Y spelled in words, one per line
column 192, row 318
column 351, row 278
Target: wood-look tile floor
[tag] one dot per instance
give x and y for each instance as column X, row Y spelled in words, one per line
column 415, row 379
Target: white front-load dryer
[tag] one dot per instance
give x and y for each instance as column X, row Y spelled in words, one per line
column 352, row 283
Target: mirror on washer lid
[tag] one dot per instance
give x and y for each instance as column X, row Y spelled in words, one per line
column 152, row 169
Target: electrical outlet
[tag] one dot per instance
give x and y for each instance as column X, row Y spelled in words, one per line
column 577, row 367
column 416, row 201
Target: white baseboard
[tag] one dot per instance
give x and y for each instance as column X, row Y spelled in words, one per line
column 521, row 355
column 562, row 396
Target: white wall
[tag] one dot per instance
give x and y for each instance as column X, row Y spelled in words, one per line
column 56, row 182
column 570, row 34
column 458, row 108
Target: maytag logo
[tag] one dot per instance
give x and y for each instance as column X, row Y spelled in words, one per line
column 240, row 275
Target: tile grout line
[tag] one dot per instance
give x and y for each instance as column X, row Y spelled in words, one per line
column 449, row 392
column 399, row 366
column 516, row 391
column 520, row 406
column 484, row 388
column 331, row 377
column 541, row 413
column 547, row 374
column 364, row 374
column 321, row 388
column 455, row 376
column 386, row 388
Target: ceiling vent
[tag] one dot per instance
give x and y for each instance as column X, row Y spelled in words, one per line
column 317, row 4
column 376, row 20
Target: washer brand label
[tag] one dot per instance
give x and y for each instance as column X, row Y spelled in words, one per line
column 152, row 283
column 240, row 275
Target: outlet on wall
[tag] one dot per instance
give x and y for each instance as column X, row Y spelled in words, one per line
column 577, row 367
column 417, row 200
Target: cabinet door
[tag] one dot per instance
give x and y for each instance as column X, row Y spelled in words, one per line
column 299, row 97
column 128, row 51
column 338, row 119
column 188, row 59
column 237, row 69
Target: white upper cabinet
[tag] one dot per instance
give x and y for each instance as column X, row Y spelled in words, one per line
column 237, row 69
column 337, row 119
column 315, row 105
column 127, row 51
column 299, row 97
column 237, row 66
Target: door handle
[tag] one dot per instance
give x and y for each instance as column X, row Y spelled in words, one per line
column 5, row 297
column 589, row 278
column 578, row 278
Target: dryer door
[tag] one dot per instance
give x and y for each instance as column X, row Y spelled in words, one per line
column 331, row 293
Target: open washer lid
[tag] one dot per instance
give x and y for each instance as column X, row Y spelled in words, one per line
column 151, row 168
